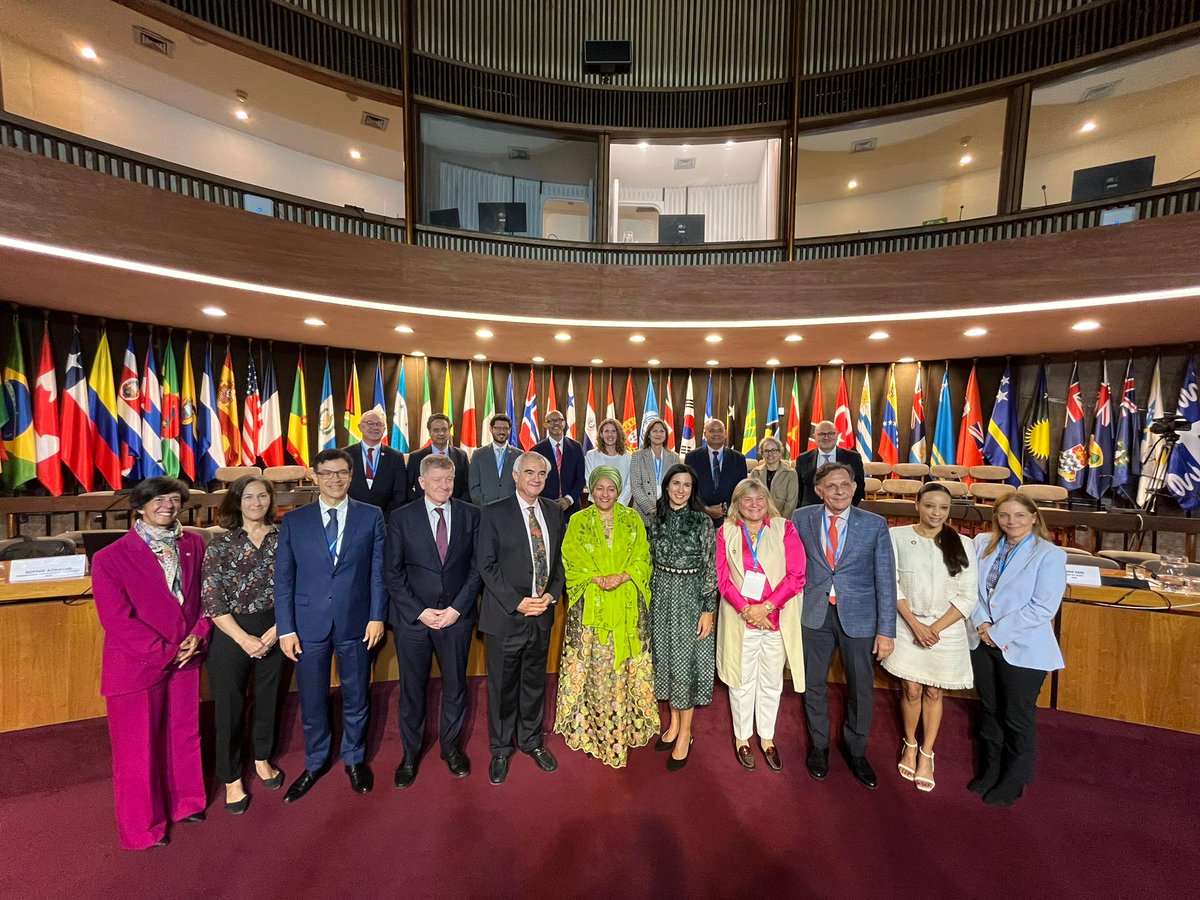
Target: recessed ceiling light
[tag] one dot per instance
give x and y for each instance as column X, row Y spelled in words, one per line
column 562, row 336
column 714, row 338
column 88, row 52
column 772, row 361
column 966, row 159
column 539, row 359
column 637, row 339
column 729, row 145
column 313, row 320
column 977, row 331
column 215, row 311
column 906, row 359
column 852, row 184
column 483, row 332
column 879, row 335
column 355, row 154
column 417, row 353
column 652, row 362
column 1088, row 126
column 794, row 338
column 403, row 329
column 1086, row 325
column 597, row 361
column 241, row 114
column 480, row 357
column 712, row 362
column 643, row 145
column 837, row 361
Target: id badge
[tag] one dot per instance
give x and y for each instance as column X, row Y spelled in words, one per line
column 754, row 584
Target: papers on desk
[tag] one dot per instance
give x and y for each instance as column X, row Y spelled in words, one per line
column 50, row 568
column 1086, row 576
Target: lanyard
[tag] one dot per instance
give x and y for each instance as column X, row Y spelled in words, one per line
column 658, row 469
column 837, row 557
column 1004, row 559
column 368, row 464
column 753, row 544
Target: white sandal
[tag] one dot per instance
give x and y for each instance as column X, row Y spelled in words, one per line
column 907, row 772
column 923, row 783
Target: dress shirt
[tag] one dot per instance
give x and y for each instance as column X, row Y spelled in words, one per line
column 366, row 469
column 445, row 451
column 431, row 509
column 537, row 511
column 342, row 508
column 842, row 519
column 499, row 450
column 556, row 448
column 823, row 458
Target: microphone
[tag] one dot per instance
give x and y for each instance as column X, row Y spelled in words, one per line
column 960, row 212
column 1045, row 202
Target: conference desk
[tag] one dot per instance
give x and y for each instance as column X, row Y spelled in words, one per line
column 1131, row 655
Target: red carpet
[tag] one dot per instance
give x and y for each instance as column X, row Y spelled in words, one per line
column 1112, row 814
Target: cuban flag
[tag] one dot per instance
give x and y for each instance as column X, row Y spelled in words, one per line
column 529, row 418
column 687, row 442
column 1183, row 468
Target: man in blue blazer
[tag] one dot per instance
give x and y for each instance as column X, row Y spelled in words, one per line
column 718, row 470
column 564, row 483
column 849, row 606
column 433, row 585
column 330, row 599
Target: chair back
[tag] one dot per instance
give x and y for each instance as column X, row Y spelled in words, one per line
column 877, row 469
column 950, row 473
column 990, row 473
column 910, row 470
column 902, row 487
column 227, row 475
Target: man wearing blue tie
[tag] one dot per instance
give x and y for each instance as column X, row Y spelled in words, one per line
column 490, row 475
column 719, row 469
column 330, row 599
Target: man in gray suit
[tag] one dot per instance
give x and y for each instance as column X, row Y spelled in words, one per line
column 490, row 475
column 850, row 606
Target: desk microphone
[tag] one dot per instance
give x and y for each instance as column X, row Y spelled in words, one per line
column 1045, row 202
column 960, row 212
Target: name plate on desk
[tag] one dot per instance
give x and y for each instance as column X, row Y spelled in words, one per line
column 50, row 568
column 1086, row 576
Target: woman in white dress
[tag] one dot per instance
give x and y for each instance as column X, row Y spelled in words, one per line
column 611, row 452
column 937, row 590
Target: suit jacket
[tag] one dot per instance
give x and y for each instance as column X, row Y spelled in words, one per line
column 733, row 470
column 315, row 598
column 417, row 579
column 507, row 565
column 1023, row 605
column 457, row 456
column 485, row 484
column 865, row 578
column 785, row 487
column 389, row 487
column 644, row 480
column 572, row 482
column 144, row 624
column 806, row 468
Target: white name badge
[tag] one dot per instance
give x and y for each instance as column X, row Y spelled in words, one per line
column 50, row 568
column 753, row 585
column 1087, row 576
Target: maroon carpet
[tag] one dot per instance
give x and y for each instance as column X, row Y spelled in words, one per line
column 1113, row 813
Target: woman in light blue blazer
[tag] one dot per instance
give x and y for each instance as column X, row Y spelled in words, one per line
column 1022, row 576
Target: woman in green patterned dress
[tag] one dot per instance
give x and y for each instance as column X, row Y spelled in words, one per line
column 605, row 681
column 684, row 585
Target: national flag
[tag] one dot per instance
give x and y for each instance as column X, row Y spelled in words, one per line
column 378, row 400
column 170, row 412
column 1125, row 444
column 400, row 412
column 188, row 407
column 1003, row 435
column 629, row 417
column 687, row 441
column 773, row 411
column 551, row 397
column 572, row 426
column 270, row 435
column 426, row 407
column 610, row 411
column 74, row 426
column 817, row 413
column 353, row 406
column 943, row 436
column 1073, row 459
column 151, row 415
column 1100, row 444
column 889, row 434
column 1036, row 433
column 19, row 441
column 470, row 427
column 129, row 423
column 489, row 410
column 3, row 424
column 510, row 407
column 251, row 415
column 841, row 416
column 916, row 422
column 668, row 415
column 864, row 437
column 448, row 398
column 326, row 431
column 47, row 442
column 529, row 417
column 1153, row 450
column 1183, row 468
column 708, row 403
column 731, row 410
column 227, row 412
column 297, row 431
column 210, row 445
column 650, row 407
column 590, row 436
column 102, row 415
column 792, row 445
column 750, row 425
column 970, row 431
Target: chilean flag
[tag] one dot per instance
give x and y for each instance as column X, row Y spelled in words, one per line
column 74, row 428
column 45, row 420
column 529, row 418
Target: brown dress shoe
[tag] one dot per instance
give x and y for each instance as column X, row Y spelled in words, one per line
column 771, row 754
column 744, row 756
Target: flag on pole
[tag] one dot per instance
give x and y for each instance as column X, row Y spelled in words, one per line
column 731, row 410
column 529, row 417
column 629, row 416
column 378, row 399
column 151, row 416
column 817, row 413
column 668, row 415
column 489, row 410
column 916, row 449
column 210, row 445
column 650, row 407
column 270, row 435
column 610, row 411
column 227, row 411
column 470, row 427
column 129, row 425
column 73, row 425
column 841, row 415
column 590, row 436
column 1153, row 450
column 1183, row 468
column 102, row 414
column 792, row 446
column 188, row 438
column 1124, row 474
column 864, row 438
column 1073, row 459
column 448, row 398
column 297, row 432
column 889, row 434
column 943, row 435
column 400, row 412
column 687, row 442
column 426, row 407
column 251, row 414
column 551, row 397
column 1036, row 432
column 353, row 413
column 708, row 403
column 970, row 431
column 19, row 441
column 47, row 440
column 572, row 427
column 1100, row 444
column 773, row 411
column 1003, row 434
column 170, row 412
column 326, row 432
column 750, row 425
column 510, row 408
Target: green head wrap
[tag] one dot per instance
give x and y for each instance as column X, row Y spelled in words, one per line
column 608, row 472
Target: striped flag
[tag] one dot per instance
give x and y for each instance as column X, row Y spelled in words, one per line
column 750, row 426
column 864, row 437
column 210, row 445
column 448, row 399
column 188, row 438
column 489, row 410
column 19, row 441
column 151, row 415
column 610, row 411
column 629, row 416
column 1072, row 459
column 590, row 437
column 1003, row 434
column 817, row 412
column 470, row 427
column 943, row 435
column 916, row 450
column 793, row 424
column 270, row 436
column 45, row 420
column 353, row 407
column 572, row 424
column 1152, row 451
column 668, row 415
column 297, row 431
column 378, row 400
column 970, row 431
column 510, row 408
column 773, row 411
column 841, row 415
column 650, row 406
column 708, row 403
column 74, row 426
column 326, row 427
column 400, row 412
column 426, row 408
column 529, row 417
column 687, row 442
column 227, row 412
column 889, row 434
column 1036, row 433
column 170, row 412
column 1183, row 468
column 102, row 414
column 129, row 423
column 251, row 415
column 1124, row 473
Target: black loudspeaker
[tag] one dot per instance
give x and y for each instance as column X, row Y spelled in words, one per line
column 607, row 57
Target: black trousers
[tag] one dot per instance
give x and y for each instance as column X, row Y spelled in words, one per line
column 229, row 668
column 819, row 644
column 1008, row 696
column 516, row 683
column 416, row 645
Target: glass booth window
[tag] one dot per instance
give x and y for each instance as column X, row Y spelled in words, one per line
column 699, row 192
column 1115, row 130
column 900, row 172
column 504, row 179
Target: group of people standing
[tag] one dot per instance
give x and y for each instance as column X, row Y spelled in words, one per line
column 675, row 570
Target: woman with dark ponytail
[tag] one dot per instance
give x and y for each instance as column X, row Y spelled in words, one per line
column 937, row 590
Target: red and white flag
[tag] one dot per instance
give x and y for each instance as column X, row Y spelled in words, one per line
column 470, row 425
column 818, row 411
column 270, row 437
column 251, row 417
column 45, row 420
column 687, row 442
column 668, row 414
column 841, row 416
column 74, row 422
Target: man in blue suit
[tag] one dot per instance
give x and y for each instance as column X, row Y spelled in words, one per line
column 718, row 470
column 849, row 606
column 564, row 483
column 330, row 599
column 434, row 590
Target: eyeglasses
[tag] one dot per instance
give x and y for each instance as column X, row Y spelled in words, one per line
column 767, row 450
column 336, row 473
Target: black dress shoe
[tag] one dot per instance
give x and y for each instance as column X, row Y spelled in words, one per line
column 744, row 757
column 406, row 773
column 458, row 764
column 238, row 806
column 674, row 764
column 304, row 783
column 985, row 781
column 818, row 763
column 771, row 754
column 361, row 779
column 498, row 769
column 194, row 817
column 661, row 746
column 862, row 772
column 545, row 760
column 274, row 784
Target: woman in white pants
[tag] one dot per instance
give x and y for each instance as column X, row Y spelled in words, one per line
column 760, row 572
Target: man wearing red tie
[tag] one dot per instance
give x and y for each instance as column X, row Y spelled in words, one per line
column 564, row 482
column 379, row 476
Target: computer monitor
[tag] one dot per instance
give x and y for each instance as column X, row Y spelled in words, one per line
column 681, row 229
column 445, row 218
column 1112, row 180
column 502, row 218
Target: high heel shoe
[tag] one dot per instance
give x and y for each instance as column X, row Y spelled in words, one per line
column 673, row 764
column 908, row 773
column 661, row 746
column 923, row 783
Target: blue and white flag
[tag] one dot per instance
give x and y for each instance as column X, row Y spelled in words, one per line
column 649, row 408
column 210, row 452
column 1003, row 434
column 400, row 413
column 1183, row 468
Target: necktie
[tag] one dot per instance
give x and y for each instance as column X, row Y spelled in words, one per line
column 443, row 538
column 998, row 567
column 558, row 465
column 500, row 463
column 831, row 548
column 541, row 569
column 331, row 534
column 370, row 462
column 716, row 468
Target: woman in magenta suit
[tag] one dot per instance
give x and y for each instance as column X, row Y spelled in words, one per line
column 147, row 590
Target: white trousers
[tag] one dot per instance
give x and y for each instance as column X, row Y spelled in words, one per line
column 756, row 701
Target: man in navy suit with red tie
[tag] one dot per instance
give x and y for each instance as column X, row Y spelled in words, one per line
column 379, row 476
column 564, row 482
